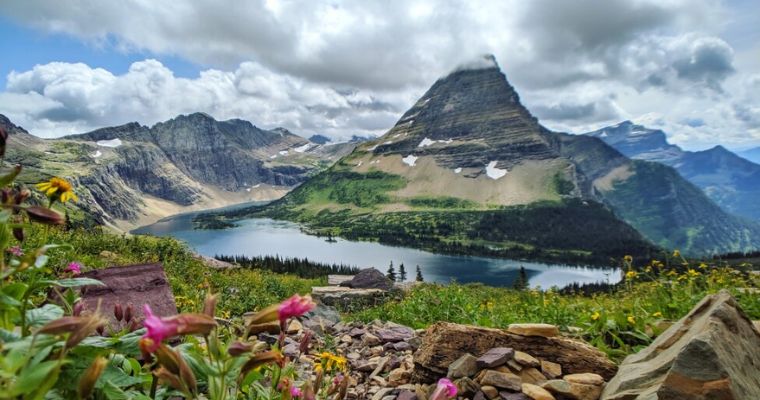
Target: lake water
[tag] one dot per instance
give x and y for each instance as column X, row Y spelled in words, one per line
column 259, row 237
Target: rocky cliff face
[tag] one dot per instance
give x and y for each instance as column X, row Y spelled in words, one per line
column 130, row 174
column 731, row 181
column 468, row 142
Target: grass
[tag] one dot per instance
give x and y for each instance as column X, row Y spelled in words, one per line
column 241, row 290
column 619, row 321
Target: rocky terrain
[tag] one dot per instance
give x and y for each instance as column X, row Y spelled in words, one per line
column 731, row 181
column 468, row 143
column 130, row 175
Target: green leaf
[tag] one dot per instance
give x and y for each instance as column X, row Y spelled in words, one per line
column 41, row 316
column 31, row 378
column 75, row 282
column 113, row 392
column 117, row 377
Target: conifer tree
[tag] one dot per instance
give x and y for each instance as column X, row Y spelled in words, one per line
column 419, row 275
column 401, row 273
column 521, row 283
column 391, row 274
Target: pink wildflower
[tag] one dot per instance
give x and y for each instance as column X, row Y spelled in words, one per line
column 16, row 251
column 445, row 390
column 158, row 328
column 295, row 392
column 295, row 306
column 74, row 267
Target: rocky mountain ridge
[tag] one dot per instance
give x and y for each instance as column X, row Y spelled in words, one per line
column 469, row 144
column 731, row 181
column 131, row 174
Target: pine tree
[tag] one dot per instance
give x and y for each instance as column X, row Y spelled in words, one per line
column 401, row 273
column 391, row 272
column 419, row 275
column 521, row 283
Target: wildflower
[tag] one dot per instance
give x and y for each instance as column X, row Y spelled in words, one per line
column 676, row 253
column 261, row 359
column 44, row 215
column 702, row 266
column 628, row 259
column 74, row 267
column 295, row 392
column 648, row 269
column 631, row 320
column 630, row 275
column 657, row 314
column 333, row 362
column 239, row 348
column 78, row 327
column 295, row 306
column 672, row 273
column 16, row 251
column 58, row 189
column 692, row 273
column 444, row 391
column 158, row 329
column 595, row 316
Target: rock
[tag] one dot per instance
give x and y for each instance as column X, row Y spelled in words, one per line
column 394, row 333
column 445, row 342
column 532, row 375
column 526, row 359
column 401, row 346
column 575, row 391
column 513, row 396
column 711, row 353
column 502, row 380
column 466, row 365
column 342, row 296
column 369, row 278
column 514, row 366
column 466, row 386
column 480, row 396
column 346, row 339
column 294, row 327
column 490, row 392
column 495, row 357
column 380, row 395
column 370, row 340
column 406, row 395
column 398, row 377
column 355, row 332
column 757, row 325
column 551, row 370
column 585, row 379
column 536, row 392
column 544, row 330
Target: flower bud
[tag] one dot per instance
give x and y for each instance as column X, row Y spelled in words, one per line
column 261, row 359
column 209, row 305
column 101, row 330
column 78, row 308
column 90, row 377
column 193, row 324
column 18, row 233
column 239, row 348
column 305, row 343
column 169, row 378
column 118, row 312
column 44, row 215
column 128, row 312
column 268, row 314
column 22, row 195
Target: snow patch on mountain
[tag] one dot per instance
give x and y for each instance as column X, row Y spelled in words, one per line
column 409, row 160
column 493, row 172
column 109, row 143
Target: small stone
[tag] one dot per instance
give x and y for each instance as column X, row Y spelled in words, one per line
column 545, row 330
column 395, row 333
column 407, row 395
column 513, row 396
column 398, row 377
column 585, row 379
column 532, row 376
column 501, row 380
column 514, row 366
column 382, row 393
column 367, row 366
column 466, row 386
column 346, row 339
column 401, row 346
column 490, row 392
column 294, row 327
column 551, row 370
column 467, row 365
column 526, row 359
column 480, row 396
column 536, row 392
column 575, row 391
column 370, row 340
column 355, row 332
column 495, row 357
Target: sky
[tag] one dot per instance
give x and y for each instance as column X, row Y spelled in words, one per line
column 343, row 68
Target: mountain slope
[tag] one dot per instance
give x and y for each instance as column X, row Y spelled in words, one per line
column 731, row 181
column 469, row 155
column 752, row 154
column 131, row 174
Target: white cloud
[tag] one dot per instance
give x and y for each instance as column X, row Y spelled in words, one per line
column 342, row 67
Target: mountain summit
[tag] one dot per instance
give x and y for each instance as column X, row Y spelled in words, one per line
column 468, row 169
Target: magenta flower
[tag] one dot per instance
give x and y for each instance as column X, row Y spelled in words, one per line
column 16, row 251
column 445, row 390
column 295, row 392
column 158, row 328
column 74, row 267
column 295, row 306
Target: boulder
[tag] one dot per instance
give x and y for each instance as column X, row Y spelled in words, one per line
column 711, row 353
column 495, row 357
column 443, row 343
column 338, row 296
column 369, row 278
column 466, row 365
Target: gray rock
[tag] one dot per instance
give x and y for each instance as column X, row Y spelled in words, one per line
column 712, row 353
column 513, row 396
column 369, row 278
column 467, row 365
column 495, row 357
column 394, row 333
column 503, row 380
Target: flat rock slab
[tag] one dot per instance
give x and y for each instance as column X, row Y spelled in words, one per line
column 135, row 284
column 544, row 330
column 394, row 334
column 339, row 295
column 495, row 357
column 711, row 353
column 445, row 342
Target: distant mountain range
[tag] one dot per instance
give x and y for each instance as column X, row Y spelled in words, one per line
column 751, row 154
column 728, row 179
column 132, row 174
column 468, row 169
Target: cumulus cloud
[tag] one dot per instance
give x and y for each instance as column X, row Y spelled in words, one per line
column 343, row 67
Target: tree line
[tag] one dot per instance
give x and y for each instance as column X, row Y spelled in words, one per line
column 302, row 267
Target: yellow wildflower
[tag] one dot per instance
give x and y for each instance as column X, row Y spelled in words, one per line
column 630, row 275
column 692, row 273
column 676, row 253
column 648, row 269
column 628, row 259
column 331, row 362
column 58, row 189
column 595, row 316
column 631, row 320
column 657, row 314
column 672, row 273
column 702, row 266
